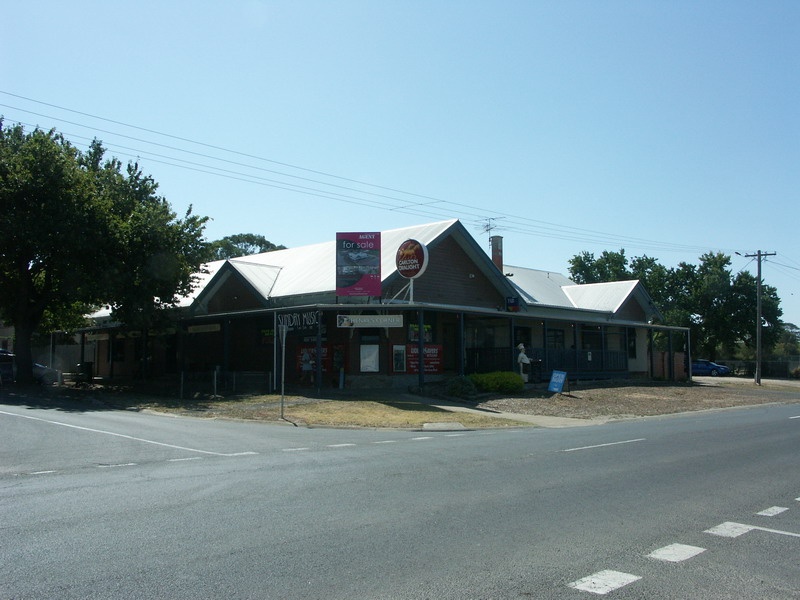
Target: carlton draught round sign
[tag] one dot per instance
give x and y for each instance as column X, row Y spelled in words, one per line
column 412, row 259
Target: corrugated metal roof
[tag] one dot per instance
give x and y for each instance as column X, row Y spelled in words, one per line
column 261, row 277
column 290, row 272
column 607, row 297
column 553, row 289
column 312, row 269
column 540, row 287
column 209, row 270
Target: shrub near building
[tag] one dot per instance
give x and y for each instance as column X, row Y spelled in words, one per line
column 506, row 382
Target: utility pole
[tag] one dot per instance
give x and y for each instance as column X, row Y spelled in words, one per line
column 758, row 255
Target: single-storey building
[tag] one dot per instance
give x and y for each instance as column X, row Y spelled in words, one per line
column 396, row 308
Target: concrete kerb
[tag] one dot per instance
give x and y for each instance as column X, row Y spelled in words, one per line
column 537, row 420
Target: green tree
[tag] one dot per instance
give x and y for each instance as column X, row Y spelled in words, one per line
column 611, row 266
column 789, row 342
column 654, row 277
column 157, row 254
column 715, row 315
column 76, row 232
column 242, row 244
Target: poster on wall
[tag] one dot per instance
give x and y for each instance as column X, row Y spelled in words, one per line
column 306, row 358
column 358, row 264
column 413, row 333
column 433, row 358
column 370, row 358
column 399, row 358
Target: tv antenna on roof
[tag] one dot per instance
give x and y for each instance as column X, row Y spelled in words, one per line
column 488, row 224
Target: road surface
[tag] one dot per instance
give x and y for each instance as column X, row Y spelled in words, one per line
column 119, row 504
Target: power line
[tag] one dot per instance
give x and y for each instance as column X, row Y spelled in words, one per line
column 435, row 207
column 212, row 146
column 525, row 226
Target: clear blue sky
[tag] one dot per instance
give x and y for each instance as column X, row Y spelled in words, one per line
column 669, row 129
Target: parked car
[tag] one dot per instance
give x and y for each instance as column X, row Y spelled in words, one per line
column 707, row 367
column 6, row 366
column 8, row 370
column 44, row 374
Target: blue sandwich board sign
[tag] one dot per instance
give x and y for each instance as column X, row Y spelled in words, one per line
column 557, row 380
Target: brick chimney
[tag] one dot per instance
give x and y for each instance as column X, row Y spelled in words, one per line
column 497, row 251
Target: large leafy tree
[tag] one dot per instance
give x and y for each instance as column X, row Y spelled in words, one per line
column 715, row 314
column 78, row 231
column 242, row 244
column 156, row 254
column 611, row 266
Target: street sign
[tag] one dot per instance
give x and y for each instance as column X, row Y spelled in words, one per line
column 557, row 380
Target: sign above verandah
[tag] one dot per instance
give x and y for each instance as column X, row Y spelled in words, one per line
column 358, row 264
column 353, row 321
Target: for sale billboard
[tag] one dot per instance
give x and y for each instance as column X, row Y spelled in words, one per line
column 358, row 264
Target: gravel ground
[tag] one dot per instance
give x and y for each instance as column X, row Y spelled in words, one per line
column 623, row 399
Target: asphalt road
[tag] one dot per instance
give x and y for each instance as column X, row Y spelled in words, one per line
column 116, row 504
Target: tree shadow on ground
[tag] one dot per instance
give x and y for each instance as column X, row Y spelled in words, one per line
column 88, row 398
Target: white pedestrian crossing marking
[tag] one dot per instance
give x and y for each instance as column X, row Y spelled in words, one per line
column 729, row 529
column 676, row 552
column 604, row 582
column 772, row 511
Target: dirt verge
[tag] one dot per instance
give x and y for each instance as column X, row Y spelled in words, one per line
column 624, row 399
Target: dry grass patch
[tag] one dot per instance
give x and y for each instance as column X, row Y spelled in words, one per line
column 406, row 415
column 402, row 414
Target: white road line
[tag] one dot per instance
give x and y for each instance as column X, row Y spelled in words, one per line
column 604, row 445
column 603, row 582
column 428, row 437
column 454, row 434
column 676, row 552
column 728, row 529
column 797, row 417
column 115, row 466
column 340, row 445
column 733, row 530
column 772, row 511
column 778, row 531
column 41, row 472
column 184, row 459
column 385, row 442
column 128, row 437
column 293, row 449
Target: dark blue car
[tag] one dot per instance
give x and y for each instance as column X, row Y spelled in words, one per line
column 707, row 367
column 8, row 370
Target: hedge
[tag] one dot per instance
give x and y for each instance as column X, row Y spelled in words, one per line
column 498, row 381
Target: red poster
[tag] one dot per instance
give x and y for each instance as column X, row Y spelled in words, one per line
column 358, row 264
column 433, row 358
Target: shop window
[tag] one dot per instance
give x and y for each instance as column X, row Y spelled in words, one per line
column 413, row 333
column 591, row 338
column 555, row 339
